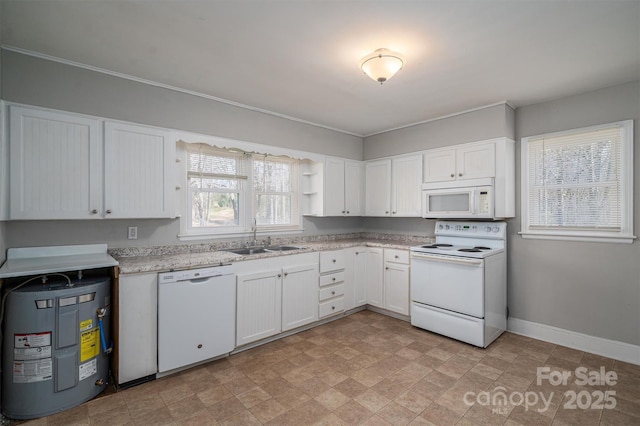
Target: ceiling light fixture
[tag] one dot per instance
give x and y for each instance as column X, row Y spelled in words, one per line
column 382, row 64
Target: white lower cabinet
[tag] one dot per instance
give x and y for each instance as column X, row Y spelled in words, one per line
column 259, row 305
column 355, row 282
column 387, row 279
column 332, row 283
column 396, row 281
column 137, row 342
column 272, row 297
column 375, row 276
column 299, row 296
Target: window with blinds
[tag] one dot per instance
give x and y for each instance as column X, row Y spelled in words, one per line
column 216, row 191
column 230, row 192
column 274, row 190
column 578, row 184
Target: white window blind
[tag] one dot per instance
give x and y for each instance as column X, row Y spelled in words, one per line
column 578, row 182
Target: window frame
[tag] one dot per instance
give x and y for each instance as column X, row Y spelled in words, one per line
column 247, row 198
column 625, row 234
column 294, row 193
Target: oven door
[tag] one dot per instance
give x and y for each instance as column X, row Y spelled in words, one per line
column 448, row 282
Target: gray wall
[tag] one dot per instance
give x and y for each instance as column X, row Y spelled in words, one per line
column 590, row 288
column 482, row 124
column 35, row 81
column 40, row 82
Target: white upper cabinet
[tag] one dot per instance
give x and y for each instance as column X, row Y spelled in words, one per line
column 393, row 187
column 468, row 161
column 138, row 177
column 64, row 167
column 353, row 188
column 406, row 191
column 333, row 187
column 378, row 188
column 55, row 165
column 342, row 187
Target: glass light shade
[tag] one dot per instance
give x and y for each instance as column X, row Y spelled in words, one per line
column 382, row 64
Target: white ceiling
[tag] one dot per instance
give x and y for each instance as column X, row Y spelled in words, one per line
column 301, row 58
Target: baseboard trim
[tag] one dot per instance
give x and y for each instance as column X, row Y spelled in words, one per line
column 610, row 348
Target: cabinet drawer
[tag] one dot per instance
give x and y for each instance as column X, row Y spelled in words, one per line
column 331, row 307
column 331, row 291
column 397, row 256
column 331, row 261
column 329, row 279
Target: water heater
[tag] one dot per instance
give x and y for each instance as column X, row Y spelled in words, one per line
column 55, row 334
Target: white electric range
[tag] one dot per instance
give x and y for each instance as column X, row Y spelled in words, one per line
column 459, row 283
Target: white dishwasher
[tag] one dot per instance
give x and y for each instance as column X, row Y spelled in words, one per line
column 196, row 315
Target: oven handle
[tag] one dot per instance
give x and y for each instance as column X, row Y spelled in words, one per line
column 450, row 259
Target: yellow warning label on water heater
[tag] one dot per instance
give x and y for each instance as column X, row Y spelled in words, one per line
column 86, row 325
column 89, row 344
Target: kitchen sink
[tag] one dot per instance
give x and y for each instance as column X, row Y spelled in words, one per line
column 282, row 248
column 246, row 251
column 258, row 250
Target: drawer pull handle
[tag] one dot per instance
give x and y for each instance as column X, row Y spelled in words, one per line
column 459, row 174
column 200, row 346
column 333, row 308
column 279, row 275
column 334, row 261
column 333, row 293
column 94, row 211
column 397, row 257
column 452, row 175
column 334, row 278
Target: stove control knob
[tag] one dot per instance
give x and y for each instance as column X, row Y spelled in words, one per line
column 440, row 226
column 495, row 229
column 446, row 227
column 487, row 229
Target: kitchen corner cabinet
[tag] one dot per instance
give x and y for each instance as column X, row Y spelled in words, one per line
column 393, row 187
column 355, row 292
column 375, row 276
column 334, row 188
column 137, row 326
column 467, row 161
column 70, row 166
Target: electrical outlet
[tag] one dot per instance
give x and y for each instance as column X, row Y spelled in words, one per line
column 133, row 233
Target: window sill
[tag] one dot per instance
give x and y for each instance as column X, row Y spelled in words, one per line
column 219, row 235
column 585, row 237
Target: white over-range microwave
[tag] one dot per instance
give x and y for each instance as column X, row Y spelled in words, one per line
column 471, row 199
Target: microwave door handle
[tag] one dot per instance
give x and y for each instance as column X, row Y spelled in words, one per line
column 474, row 194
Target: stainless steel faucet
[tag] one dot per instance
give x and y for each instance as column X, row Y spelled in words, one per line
column 254, row 229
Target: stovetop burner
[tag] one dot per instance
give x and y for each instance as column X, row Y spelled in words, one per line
column 470, row 250
column 482, row 248
column 437, row 246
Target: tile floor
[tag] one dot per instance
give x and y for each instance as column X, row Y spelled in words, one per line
column 371, row 369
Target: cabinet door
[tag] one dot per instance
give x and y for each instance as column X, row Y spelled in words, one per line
column 439, row 165
column 334, row 187
column 378, row 188
column 353, row 188
column 396, row 287
column 137, row 342
column 139, row 172
column 407, row 186
column 259, row 306
column 299, row 296
column 374, row 274
column 360, row 276
column 56, row 165
column 476, row 161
